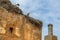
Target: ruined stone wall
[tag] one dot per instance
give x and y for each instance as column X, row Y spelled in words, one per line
column 32, row 32
column 15, row 26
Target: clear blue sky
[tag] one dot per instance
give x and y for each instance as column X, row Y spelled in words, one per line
column 47, row 11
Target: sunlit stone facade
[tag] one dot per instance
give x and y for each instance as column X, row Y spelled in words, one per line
column 14, row 25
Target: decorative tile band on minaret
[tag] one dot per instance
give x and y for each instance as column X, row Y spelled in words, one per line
column 50, row 29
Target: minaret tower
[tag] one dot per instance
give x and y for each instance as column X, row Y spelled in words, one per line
column 50, row 35
column 50, row 29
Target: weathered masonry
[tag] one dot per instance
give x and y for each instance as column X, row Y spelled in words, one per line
column 14, row 25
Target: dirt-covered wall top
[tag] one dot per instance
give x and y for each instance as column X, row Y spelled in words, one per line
column 9, row 6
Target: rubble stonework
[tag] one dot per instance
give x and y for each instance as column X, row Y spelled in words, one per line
column 17, row 26
column 9, row 6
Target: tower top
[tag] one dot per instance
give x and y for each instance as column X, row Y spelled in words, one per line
column 50, row 25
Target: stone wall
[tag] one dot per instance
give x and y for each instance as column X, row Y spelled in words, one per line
column 17, row 27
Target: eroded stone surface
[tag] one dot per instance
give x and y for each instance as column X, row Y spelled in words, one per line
column 17, row 26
